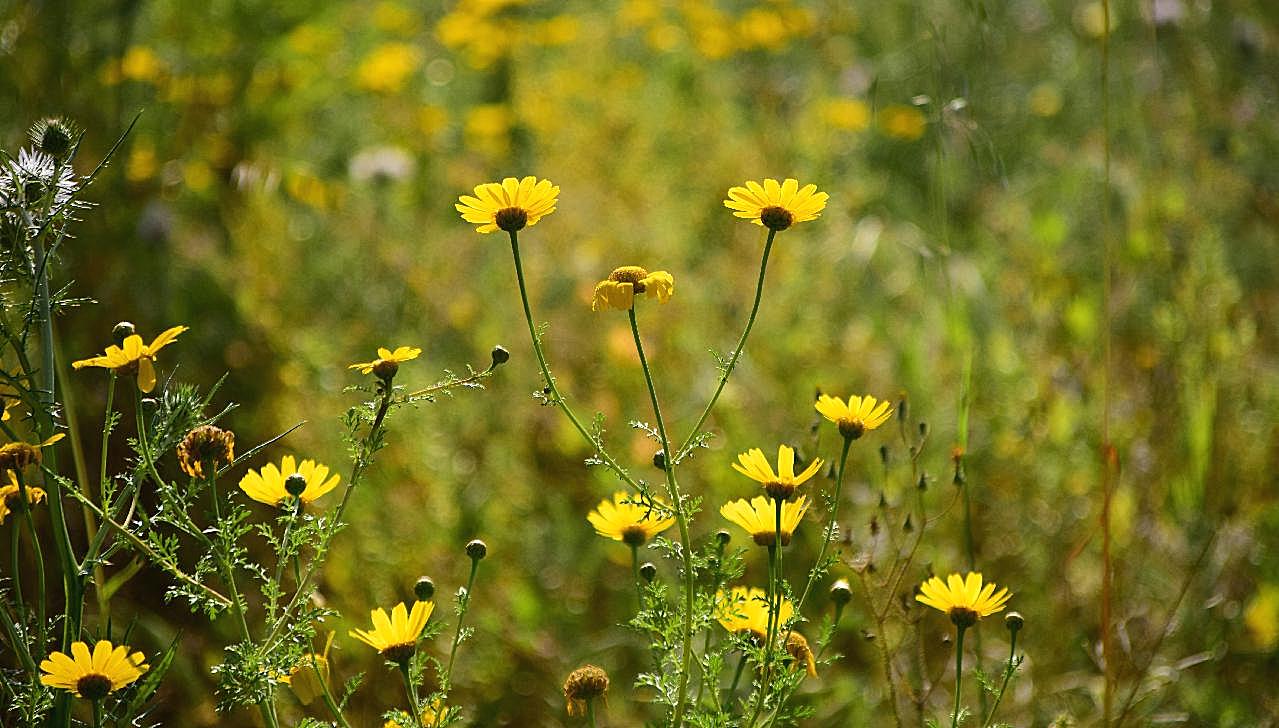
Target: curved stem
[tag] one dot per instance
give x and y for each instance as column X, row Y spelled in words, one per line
column 828, row 531
column 329, row 702
column 737, row 676
column 686, row 548
column 639, row 588
column 737, row 352
column 38, row 551
column 1008, row 676
column 411, row 691
column 959, row 673
column 447, row 683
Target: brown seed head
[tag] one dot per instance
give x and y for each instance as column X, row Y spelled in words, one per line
column 584, row 684
column 205, row 444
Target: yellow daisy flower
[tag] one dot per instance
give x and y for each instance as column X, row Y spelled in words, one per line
column 782, row 484
column 387, row 362
column 395, row 637
column 133, row 357
column 21, row 455
column 307, row 680
column 962, row 597
column 776, row 206
column 271, row 486
column 92, row 675
column 746, row 610
column 797, row 646
column 509, row 205
column 855, row 416
column 9, row 495
column 624, row 519
column 619, row 289
column 758, row 517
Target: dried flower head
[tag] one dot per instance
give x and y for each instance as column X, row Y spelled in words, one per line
column 11, row 495
column 583, row 685
column 205, row 444
column 799, row 650
column 21, row 455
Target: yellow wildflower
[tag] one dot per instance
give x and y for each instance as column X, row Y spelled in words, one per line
column 758, row 517
column 619, row 289
column 962, row 597
column 133, row 357
column 92, row 675
column 782, row 484
column 271, row 484
column 776, row 206
column 395, row 637
column 855, row 416
column 625, row 519
column 509, row 205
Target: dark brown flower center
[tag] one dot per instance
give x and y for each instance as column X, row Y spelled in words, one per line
column 776, row 218
column 511, row 219
column 632, row 274
column 634, row 535
column 93, row 686
column 400, row 654
column 852, row 428
column 768, row 538
column 385, row 369
column 777, row 490
column 963, row 616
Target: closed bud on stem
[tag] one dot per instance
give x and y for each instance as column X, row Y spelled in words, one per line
column 500, row 355
column 659, row 459
column 1014, row 621
column 122, row 331
column 477, row 549
column 648, row 570
column 295, row 484
column 840, row 592
column 424, row 589
column 150, row 404
column 723, row 537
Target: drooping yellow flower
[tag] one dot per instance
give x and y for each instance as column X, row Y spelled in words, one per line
column 625, row 519
column 509, row 205
column 205, row 443
column 782, row 484
column 133, row 357
column 963, row 597
column 395, row 637
column 387, row 362
column 855, row 416
column 21, row 455
column 92, row 675
column 758, row 517
column 270, row 485
column 797, row 646
column 776, row 206
column 619, row 289
column 746, row 610
column 583, row 685
column 12, row 492
column 307, row 680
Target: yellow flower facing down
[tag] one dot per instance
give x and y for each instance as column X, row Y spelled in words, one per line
column 92, row 675
column 745, row 609
column 619, row 289
column 11, row 493
column 395, row 637
column 776, row 206
column 19, row 456
column 270, row 485
column 781, row 484
column 307, row 680
column 964, row 598
column 625, row 519
column 133, row 357
column 855, row 416
column 387, row 362
column 510, row 205
column 797, row 646
column 758, row 517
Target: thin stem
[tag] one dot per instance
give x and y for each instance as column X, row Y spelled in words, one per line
column 329, row 702
column 590, row 713
column 1008, row 676
column 828, row 531
column 97, row 714
column 737, row 352
column 15, row 536
column 99, row 574
column 639, row 589
column 686, row 548
column 447, row 683
column 410, row 690
column 959, row 672
column 38, row 551
column 737, row 676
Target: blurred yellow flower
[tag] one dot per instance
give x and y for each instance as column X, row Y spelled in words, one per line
column 134, row 357
column 1045, row 100
column 903, row 122
column 270, row 485
column 797, row 646
column 855, row 416
column 758, row 517
column 140, row 63
column 510, row 205
column 12, row 492
column 1261, row 617
column 776, row 206
column 307, row 680
column 846, row 114
column 962, row 597
column 21, row 455
column 92, row 675
column 781, row 484
column 387, row 68
column 746, row 610
column 625, row 519
column 487, row 129
column 763, row 28
column 395, row 637
column 387, row 362
column 390, row 17
column 619, row 289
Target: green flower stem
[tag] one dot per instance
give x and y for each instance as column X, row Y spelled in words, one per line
column 447, row 683
column 555, row 397
column 410, row 690
column 737, row 352
column 38, row 551
column 774, row 613
column 706, row 644
column 686, row 548
column 959, row 671
column 91, row 528
column 294, row 512
column 737, row 676
column 829, row 529
column 17, row 642
column 639, row 588
column 329, row 702
column 1008, row 676
column 15, row 536
column 590, row 713
column 97, row 714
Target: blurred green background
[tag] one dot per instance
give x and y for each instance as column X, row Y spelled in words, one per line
column 288, row 194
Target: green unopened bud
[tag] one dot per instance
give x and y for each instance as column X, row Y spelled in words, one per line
column 295, row 484
column 723, row 537
column 923, row 481
column 1014, row 621
column 477, row 550
column 150, row 404
column 883, row 455
column 840, row 592
column 54, row 136
column 648, row 570
column 424, row 589
column 659, row 459
column 122, row 331
column 500, row 355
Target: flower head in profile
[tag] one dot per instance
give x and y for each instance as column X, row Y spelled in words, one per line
column 745, row 609
column 308, row 679
column 963, row 598
column 510, row 205
column 583, row 685
column 92, row 675
column 133, row 357
column 778, row 485
column 395, row 637
column 618, row 291
column 11, row 495
column 205, row 444
column 801, row 653
column 19, row 456
column 271, row 485
column 855, row 416
column 776, row 206
column 387, row 362
column 758, row 517
column 627, row 520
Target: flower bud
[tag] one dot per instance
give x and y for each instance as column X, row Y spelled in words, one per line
column 648, row 570
column 659, row 459
column 150, row 404
column 54, row 136
column 723, row 537
column 500, row 355
column 295, row 484
column 477, row 549
column 840, row 592
column 424, row 589
column 1014, row 621
column 883, row 455
column 583, row 685
column 122, row 331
